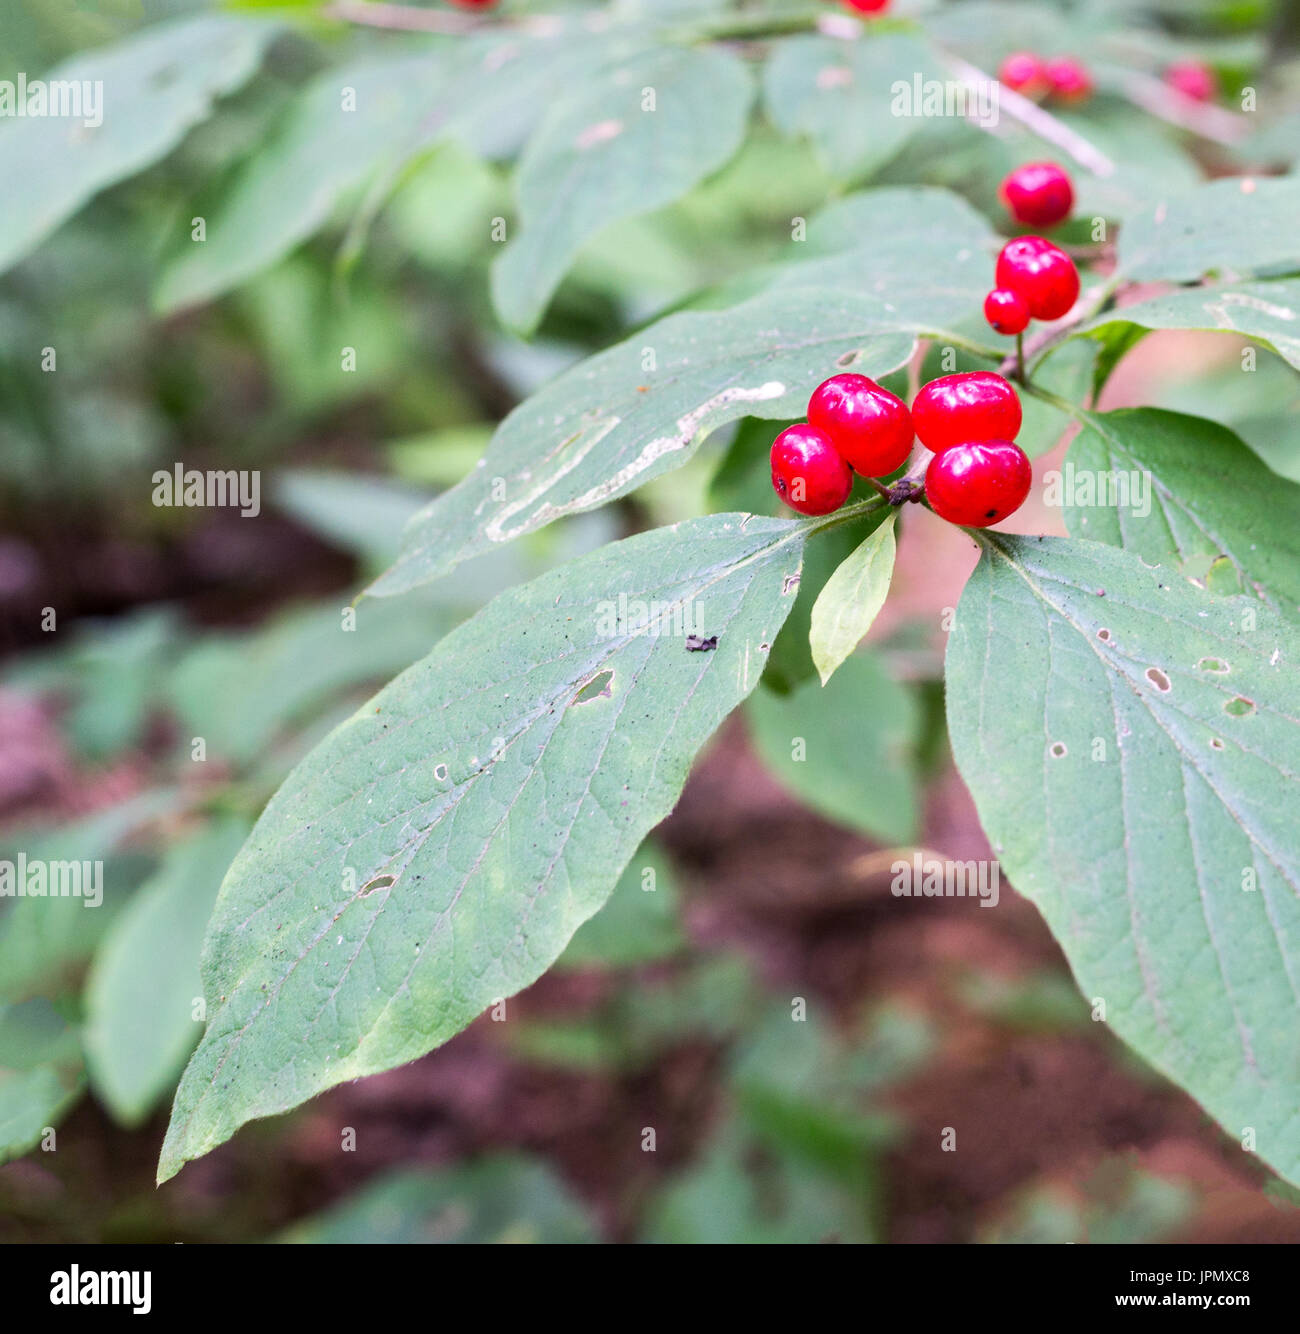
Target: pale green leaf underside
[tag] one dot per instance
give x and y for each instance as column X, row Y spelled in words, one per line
column 1140, row 858
column 1195, row 491
column 156, row 86
column 620, row 141
column 851, row 599
column 1236, row 226
column 1265, row 312
column 609, row 425
column 437, row 851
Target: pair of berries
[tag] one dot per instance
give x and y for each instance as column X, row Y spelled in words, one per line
column 853, row 424
column 1035, row 280
column 1064, row 79
column 1039, row 194
column 978, row 475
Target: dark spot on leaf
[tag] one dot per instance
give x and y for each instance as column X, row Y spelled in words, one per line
column 1216, row 743
column 846, row 359
column 1239, row 707
column 596, row 688
column 1158, row 679
column 1104, row 635
column 698, row 644
column 1058, row 749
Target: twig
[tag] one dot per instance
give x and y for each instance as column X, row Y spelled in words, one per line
column 1203, row 119
column 1034, row 118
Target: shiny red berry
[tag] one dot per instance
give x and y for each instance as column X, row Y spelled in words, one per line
column 1006, row 311
column 956, row 409
column 1023, row 72
column 1041, row 273
column 867, row 6
column 1039, row 194
column 978, row 483
column 1194, row 80
column 807, row 472
column 1068, row 80
column 473, row 4
column 869, row 427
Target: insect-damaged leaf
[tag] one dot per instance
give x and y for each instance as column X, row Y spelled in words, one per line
column 437, row 851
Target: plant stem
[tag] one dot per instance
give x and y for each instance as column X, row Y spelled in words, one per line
column 1020, row 356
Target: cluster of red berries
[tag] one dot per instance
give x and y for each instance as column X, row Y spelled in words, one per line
column 978, row 475
column 1035, row 280
column 1063, row 79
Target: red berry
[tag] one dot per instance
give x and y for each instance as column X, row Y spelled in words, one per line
column 1194, row 80
column 1006, row 311
column 1023, row 72
column 1068, row 79
column 869, row 427
column 473, row 4
column 979, row 483
column 867, row 6
column 954, row 410
column 807, row 472
column 1039, row 194
column 1040, row 273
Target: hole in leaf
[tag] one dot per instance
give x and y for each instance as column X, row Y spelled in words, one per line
column 440, row 772
column 1058, row 749
column 1104, row 635
column 1213, row 665
column 379, row 882
column 1158, row 679
column 598, row 686
column 1239, row 707
column 1216, row 743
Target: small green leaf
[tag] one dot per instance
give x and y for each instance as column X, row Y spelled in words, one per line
column 154, row 87
column 40, row 1073
column 1132, row 746
column 438, row 850
column 623, row 140
column 1191, row 490
column 847, row 748
column 851, row 599
column 142, row 988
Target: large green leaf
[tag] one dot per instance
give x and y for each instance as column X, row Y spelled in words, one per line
column 610, row 424
column 621, row 141
column 155, row 86
column 438, row 850
column 341, row 131
column 1239, row 226
column 1194, row 491
column 142, row 988
column 1267, row 312
column 847, row 748
column 1139, row 784
column 842, row 95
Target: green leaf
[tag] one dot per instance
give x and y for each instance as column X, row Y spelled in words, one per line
column 143, row 985
column 438, row 850
column 841, row 95
column 638, row 924
column 1239, row 226
column 40, row 1073
column 505, row 1199
column 608, row 425
column 155, row 86
column 1266, row 312
column 1195, row 492
column 327, row 147
column 848, row 604
column 621, row 141
column 1139, row 785
column 847, row 748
